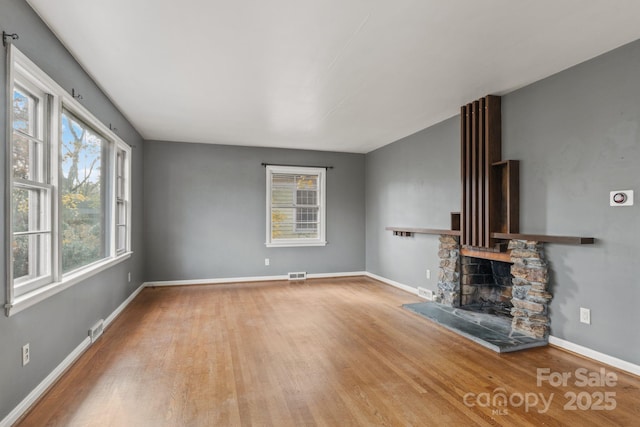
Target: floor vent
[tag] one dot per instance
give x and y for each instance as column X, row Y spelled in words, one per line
column 96, row 330
column 425, row 293
column 298, row 276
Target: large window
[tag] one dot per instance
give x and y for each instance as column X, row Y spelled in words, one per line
column 295, row 206
column 68, row 187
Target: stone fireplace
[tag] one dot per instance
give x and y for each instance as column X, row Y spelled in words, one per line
column 479, row 283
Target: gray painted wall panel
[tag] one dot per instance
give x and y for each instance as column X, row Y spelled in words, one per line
column 206, row 212
column 577, row 136
column 414, row 182
column 59, row 324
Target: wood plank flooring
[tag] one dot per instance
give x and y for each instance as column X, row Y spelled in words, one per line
column 330, row 352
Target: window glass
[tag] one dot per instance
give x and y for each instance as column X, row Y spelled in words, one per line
column 82, row 187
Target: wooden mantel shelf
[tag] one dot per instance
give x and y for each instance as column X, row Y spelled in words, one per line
column 408, row 231
column 567, row 240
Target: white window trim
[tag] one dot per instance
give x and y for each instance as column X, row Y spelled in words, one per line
column 61, row 99
column 322, row 226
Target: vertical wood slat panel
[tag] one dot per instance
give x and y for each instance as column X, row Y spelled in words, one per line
column 474, row 175
column 469, row 213
column 480, row 140
column 464, row 212
column 484, row 167
column 493, row 135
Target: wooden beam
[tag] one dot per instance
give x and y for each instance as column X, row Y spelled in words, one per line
column 424, row 231
column 495, row 256
column 568, row 240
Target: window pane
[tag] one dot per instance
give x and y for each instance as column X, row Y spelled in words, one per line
column 306, row 219
column 29, row 209
column 24, row 112
column 28, row 159
column 121, row 214
column 285, row 223
column 307, row 182
column 121, row 238
column 20, row 257
column 120, row 174
column 82, row 192
column 29, row 253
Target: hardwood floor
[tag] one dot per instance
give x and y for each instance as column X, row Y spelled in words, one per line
column 331, row 352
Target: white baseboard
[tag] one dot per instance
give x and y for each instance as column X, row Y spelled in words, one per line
column 595, row 355
column 50, row 379
column 393, row 283
column 330, row 275
column 248, row 279
column 122, row 306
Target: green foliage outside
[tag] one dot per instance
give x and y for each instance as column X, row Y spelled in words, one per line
column 81, row 189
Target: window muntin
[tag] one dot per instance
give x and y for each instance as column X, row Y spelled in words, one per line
column 82, row 193
column 295, row 206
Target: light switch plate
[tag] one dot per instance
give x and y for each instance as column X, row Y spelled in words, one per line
column 621, row 198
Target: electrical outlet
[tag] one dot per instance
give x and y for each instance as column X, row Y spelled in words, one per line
column 129, row 277
column 266, row 261
column 585, row 315
column 26, row 354
column 428, row 274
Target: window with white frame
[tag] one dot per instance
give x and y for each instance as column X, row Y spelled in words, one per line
column 69, row 182
column 295, row 206
column 122, row 201
column 31, row 192
column 82, row 193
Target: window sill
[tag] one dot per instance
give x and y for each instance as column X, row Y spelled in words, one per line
column 294, row 244
column 31, row 298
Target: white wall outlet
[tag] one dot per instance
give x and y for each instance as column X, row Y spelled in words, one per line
column 585, row 315
column 129, row 277
column 428, row 274
column 266, row 261
column 26, row 354
column 621, row 198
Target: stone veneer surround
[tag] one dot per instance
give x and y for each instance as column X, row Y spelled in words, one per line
column 530, row 296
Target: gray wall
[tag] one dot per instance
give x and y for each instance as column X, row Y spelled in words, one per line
column 414, row 182
column 59, row 324
column 206, row 212
column 577, row 135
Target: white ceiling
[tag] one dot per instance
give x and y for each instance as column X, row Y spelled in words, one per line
column 339, row 75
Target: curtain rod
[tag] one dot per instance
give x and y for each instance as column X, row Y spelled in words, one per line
column 297, row 166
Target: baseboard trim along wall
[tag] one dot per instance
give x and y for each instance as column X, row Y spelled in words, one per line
column 248, row 279
column 393, row 283
column 36, row 393
column 595, row 355
column 50, row 379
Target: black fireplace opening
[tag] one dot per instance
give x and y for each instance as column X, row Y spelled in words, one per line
column 486, row 286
